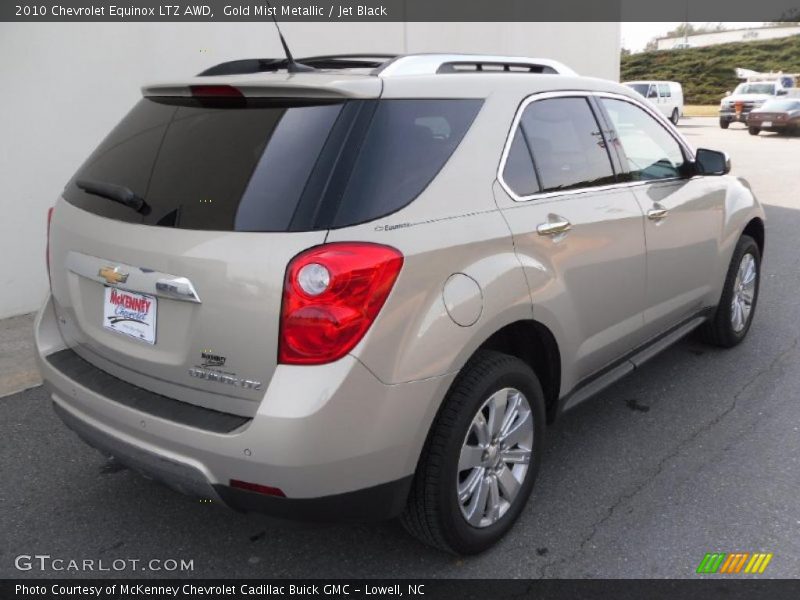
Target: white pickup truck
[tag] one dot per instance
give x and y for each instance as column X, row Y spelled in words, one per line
column 749, row 95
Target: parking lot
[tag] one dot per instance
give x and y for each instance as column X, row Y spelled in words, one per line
column 699, row 451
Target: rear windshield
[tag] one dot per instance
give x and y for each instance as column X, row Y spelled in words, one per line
column 269, row 165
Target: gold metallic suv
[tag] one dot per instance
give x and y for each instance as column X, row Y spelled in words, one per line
column 361, row 291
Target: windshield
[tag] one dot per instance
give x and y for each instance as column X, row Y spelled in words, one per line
column 268, row 164
column 640, row 88
column 781, row 105
column 755, row 88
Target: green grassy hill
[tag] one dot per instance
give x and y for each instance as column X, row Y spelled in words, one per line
column 707, row 73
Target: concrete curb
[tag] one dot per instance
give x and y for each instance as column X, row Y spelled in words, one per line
column 18, row 370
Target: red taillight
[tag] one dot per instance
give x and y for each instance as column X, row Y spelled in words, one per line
column 215, row 91
column 47, row 248
column 331, row 296
column 257, row 488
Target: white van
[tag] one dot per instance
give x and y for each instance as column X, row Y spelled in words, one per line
column 667, row 96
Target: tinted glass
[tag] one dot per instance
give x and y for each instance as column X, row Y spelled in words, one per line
column 568, row 148
column 651, row 152
column 407, row 143
column 219, row 166
column 519, row 173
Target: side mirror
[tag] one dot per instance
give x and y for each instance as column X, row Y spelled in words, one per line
column 653, row 93
column 728, row 93
column 781, row 92
column 712, row 162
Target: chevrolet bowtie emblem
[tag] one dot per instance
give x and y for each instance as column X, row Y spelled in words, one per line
column 112, row 275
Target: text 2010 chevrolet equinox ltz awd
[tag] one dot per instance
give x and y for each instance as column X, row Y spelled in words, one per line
column 361, row 292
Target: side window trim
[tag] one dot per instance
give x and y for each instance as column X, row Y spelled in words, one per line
column 618, row 163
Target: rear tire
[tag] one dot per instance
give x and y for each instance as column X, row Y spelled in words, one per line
column 444, row 506
column 675, row 116
column 724, row 124
column 725, row 329
column 753, row 130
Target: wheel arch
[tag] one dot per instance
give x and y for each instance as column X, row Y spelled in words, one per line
column 755, row 229
column 533, row 343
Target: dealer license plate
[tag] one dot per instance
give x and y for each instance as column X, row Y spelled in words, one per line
column 130, row 314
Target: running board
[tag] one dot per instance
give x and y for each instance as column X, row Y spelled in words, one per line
column 597, row 383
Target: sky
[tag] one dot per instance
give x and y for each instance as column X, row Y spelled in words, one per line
column 636, row 35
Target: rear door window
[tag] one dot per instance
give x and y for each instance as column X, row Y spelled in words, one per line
column 567, row 144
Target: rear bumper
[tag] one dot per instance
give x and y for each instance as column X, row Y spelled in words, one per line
column 383, row 501
column 775, row 125
column 340, row 444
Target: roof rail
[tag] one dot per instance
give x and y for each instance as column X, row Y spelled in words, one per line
column 430, row 64
column 391, row 65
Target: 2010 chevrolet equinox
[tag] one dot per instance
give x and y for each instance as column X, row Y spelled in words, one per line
column 360, row 292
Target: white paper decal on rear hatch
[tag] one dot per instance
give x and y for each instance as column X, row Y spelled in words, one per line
column 130, row 314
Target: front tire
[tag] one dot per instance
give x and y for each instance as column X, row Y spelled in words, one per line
column 675, row 116
column 481, row 457
column 737, row 305
column 724, row 124
column 753, row 130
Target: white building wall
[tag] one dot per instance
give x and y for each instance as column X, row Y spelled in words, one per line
column 64, row 86
column 734, row 35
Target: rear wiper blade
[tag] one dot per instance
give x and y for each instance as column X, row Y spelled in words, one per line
column 117, row 193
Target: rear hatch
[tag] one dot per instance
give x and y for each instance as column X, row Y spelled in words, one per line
column 179, row 290
column 169, row 250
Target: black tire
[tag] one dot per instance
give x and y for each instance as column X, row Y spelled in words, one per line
column 753, row 130
column 719, row 330
column 675, row 116
column 724, row 124
column 433, row 513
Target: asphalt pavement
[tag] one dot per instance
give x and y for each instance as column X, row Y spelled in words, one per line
column 698, row 451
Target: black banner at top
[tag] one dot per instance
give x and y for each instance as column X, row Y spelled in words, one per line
column 400, row 10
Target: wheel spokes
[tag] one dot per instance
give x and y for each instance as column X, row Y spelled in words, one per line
column 471, row 457
column 497, row 410
column 477, row 507
column 518, row 430
column 508, row 483
column 520, row 456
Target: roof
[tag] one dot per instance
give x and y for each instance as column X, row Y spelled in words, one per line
column 368, row 76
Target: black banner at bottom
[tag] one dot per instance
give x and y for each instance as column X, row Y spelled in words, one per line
column 430, row 589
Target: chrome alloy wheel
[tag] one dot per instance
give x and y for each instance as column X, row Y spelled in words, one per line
column 495, row 457
column 744, row 290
